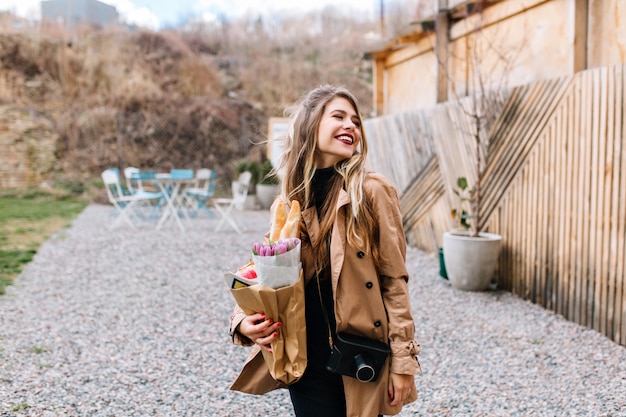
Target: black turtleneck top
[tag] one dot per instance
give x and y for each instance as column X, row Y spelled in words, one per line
column 318, row 349
column 321, row 186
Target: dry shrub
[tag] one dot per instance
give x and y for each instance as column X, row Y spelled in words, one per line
column 18, row 65
column 198, row 78
column 161, row 135
column 135, row 87
column 18, row 56
column 273, row 62
column 161, row 45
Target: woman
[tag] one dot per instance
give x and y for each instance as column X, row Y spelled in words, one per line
column 353, row 254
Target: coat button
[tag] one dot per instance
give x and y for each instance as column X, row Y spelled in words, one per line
column 360, row 254
column 377, row 323
column 369, row 285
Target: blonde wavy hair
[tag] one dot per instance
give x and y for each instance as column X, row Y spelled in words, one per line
column 298, row 165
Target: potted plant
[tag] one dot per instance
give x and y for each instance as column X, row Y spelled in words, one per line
column 266, row 184
column 470, row 255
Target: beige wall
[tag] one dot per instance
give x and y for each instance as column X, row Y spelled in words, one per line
column 534, row 45
column 410, row 80
column 514, row 48
column 536, row 38
column 544, row 37
column 607, row 33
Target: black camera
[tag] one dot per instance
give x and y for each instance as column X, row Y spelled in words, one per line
column 357, row 357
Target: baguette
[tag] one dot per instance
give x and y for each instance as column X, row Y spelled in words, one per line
column 279, row 217
column 291, row 228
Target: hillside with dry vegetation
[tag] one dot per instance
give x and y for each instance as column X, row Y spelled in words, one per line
column 195, row 97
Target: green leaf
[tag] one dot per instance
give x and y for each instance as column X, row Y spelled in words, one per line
column 464, row 216
column 461, row 182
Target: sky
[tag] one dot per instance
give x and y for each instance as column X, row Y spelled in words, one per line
column 156, row 14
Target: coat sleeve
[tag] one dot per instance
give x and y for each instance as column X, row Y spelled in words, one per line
column 235, row 319
column 394, row 276
column 404, row 349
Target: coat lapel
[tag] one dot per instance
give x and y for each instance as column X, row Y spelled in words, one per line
column 338, row 240
column 312, row 230
column 311, row 221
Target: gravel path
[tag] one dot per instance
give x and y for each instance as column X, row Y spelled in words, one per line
column 127, row 323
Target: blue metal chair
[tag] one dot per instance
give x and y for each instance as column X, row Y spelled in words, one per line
column 181, row 174
column 146, row 186
column 127, row 206
column 203, row 189
column 141, row 177
column 116, row 171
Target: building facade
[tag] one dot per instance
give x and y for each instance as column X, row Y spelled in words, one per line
column 505, row 43
column 71, row 13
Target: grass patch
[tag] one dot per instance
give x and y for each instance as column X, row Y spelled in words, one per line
column 28, row 219
column 38, row 349
column 23, row 406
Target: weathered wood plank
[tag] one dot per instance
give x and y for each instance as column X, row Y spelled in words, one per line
column 575, row 190
column 595, row 203
column 552, row 199
column 540, row 215
column 614, row 148
column 605, row 178
column 584, row 212
column 620, row 285
column 531, row 238
column 562, row 207
column 534, row 112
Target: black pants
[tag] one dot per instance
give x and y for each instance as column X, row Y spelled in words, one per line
column 318, row 393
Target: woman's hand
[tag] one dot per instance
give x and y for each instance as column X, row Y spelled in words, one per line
column 259, row 329
column 400, row 387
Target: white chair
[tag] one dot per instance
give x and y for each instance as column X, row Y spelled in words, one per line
column 128, row 174
column 125, row 190
column 201, row 191
column 225, row 206
column 124, row 204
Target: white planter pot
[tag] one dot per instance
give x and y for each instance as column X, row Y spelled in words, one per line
column 250, row 203
column 470, row 261
column 265, row 194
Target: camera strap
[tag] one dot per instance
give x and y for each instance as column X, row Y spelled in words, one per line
column 330, row 333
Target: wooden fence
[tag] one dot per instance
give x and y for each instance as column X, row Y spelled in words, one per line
column 554, row 188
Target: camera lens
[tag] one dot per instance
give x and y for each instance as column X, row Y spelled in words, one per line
column 364, row 369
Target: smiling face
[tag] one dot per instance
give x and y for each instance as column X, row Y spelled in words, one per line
column 338, row 133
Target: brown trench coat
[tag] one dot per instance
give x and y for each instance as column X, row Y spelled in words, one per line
column 367, row 303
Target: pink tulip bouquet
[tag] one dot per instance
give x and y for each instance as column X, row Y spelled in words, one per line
column 277, row 264
column 274, row 248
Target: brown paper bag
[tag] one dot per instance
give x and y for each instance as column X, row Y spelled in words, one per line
column 287, row 362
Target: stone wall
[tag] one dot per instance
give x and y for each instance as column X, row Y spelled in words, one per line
column 27, row 148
